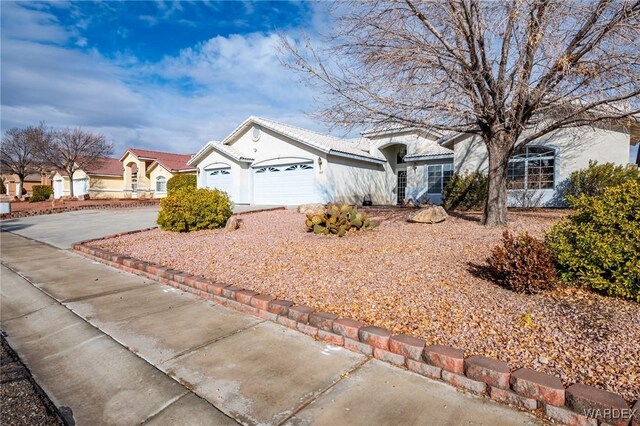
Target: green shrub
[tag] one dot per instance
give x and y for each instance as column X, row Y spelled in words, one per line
column 337, row 220
column 182, row 181
column 522, row 264
column 599, row 245
column 40, row 193
column 593, row 180
column 465, row 192
column 187, row 209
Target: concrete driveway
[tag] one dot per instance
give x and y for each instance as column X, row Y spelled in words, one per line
column 63, row 229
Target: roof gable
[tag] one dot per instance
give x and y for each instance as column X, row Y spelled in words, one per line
column 168, row 160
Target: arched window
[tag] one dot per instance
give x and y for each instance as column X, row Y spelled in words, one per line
column 161, row 184
column 532, row 167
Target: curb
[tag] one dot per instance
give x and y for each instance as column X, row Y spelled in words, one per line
column 526, row 389
column 54, row 210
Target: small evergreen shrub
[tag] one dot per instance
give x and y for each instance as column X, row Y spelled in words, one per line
column 599, row 245
column 40, row 193
column 466, row 192
column 593, row 180
column 182, row 181
column 187, row 209
column 522, row 264
column 337, row 220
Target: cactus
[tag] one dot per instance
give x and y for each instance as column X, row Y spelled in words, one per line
column 337, row 220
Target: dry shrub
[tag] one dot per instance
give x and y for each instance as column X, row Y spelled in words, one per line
column 522, row 264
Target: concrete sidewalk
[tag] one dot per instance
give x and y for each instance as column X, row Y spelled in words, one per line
column 118, row 349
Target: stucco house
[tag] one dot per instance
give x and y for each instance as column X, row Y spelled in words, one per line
column 266, row 162
column 12, row 183
column 146, row 172
column 104, row 179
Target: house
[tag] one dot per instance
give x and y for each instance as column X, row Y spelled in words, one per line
column 146, row 172
column 104, row 179
column 12, row 183
column 267, row 162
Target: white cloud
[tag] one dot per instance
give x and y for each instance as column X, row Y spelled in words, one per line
column 177, row 104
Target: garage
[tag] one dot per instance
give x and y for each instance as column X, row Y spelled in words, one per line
column 289, row 184
column 219, row 179
column 80, row 187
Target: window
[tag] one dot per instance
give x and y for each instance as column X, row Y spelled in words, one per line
column 161, row 184
column 134, row 184
column 438, row 175
column 532, row 167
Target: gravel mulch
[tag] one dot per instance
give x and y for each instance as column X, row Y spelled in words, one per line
column 20, row 206
column 21, row 402
column 417, row 279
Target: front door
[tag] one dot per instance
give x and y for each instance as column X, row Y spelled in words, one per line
column 402, row 185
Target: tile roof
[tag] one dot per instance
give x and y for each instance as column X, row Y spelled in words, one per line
column 107, row 166
column 429, row 150
column 168, row 160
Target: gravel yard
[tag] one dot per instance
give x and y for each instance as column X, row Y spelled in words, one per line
column 416, row 279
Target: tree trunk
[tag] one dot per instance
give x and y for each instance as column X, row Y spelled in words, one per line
column 70, row 184
column 495, row 211
column 20, row 186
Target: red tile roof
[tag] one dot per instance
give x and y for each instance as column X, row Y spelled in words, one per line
column 168, row 160
column 108, row 166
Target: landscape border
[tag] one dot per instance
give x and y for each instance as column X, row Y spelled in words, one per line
column 64, row 209
column 524, row 388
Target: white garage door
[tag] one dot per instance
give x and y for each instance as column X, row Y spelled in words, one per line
column 289, row 185
column 57, row 188
column 219, row 179
column 80, row 187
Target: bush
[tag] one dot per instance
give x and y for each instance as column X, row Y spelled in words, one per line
column 593, row 180
column 599, row 245
column 522, row 264
column 182, row 181
column 187, row 209
column 466, row 192
column 40, row 193
column 337, row 220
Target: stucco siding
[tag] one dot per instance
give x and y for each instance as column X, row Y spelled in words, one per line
column 106, row 187
column 216, row 160
column 574, row 149
column 350, row 181
column 156, row 172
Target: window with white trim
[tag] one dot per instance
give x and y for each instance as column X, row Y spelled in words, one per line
column 438, row 175
column 532, row 167
column 161, row 184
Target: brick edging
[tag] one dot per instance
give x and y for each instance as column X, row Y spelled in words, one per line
column 524, row 388
column 64, row 209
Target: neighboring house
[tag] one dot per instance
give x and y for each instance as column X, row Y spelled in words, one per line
column 12, row 183
column 146, row 172
column 267, row 162
column 103, row 180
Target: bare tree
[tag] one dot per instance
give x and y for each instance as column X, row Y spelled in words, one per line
column 75, row 149
column 509, row 71
column 21, row 150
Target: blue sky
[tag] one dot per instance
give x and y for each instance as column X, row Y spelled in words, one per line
column 158, row 75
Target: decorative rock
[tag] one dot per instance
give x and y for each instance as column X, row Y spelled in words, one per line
column 430, row 214
column 407, row 346
column 445, row 357
column 490, row 371
column 460, row 381
column 311, row 208
column 540, row 386
column 232, row 224
column 512, row 398
column 375, row 336
column 322, row 320
column 568, row 417
column 347, row 327
column 300, row 313
column 424, row 369
column 582, row 398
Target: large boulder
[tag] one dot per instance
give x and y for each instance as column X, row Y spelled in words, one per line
column 429, row 214
column 313, row 208
column 232, row 224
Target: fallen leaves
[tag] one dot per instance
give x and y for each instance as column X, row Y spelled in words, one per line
column 415, row 279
